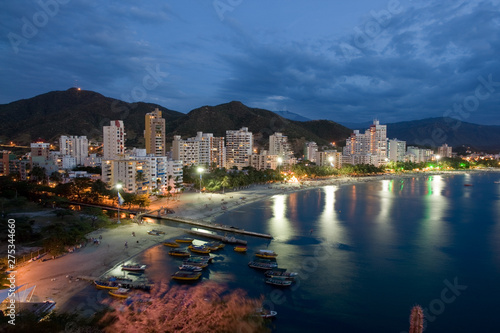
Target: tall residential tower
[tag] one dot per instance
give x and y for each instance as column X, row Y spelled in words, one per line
column 154, row 133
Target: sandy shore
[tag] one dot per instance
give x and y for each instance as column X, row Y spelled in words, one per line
column 52, row 277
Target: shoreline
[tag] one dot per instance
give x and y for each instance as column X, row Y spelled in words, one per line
column 52, row 277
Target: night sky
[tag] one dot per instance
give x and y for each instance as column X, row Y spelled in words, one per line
column 345, row 61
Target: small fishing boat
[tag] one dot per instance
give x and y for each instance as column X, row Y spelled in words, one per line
column 154, row 233
column 240, row 249
column 184, row 240
column 159, row 232
column 279, row 282
column 205, row 259
column 264, row 313
column 134, row 268
column 199, row 249
column 119, row 293
column 263, row 265
column 214, row 246
column 171, row 244
column 191, row 268
column 268, row 254
column 179, row 253
column 106, row 285
column 467, row 184
column 186, row 275
column 281, row 272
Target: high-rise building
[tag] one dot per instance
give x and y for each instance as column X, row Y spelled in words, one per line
column 74, row 146
column 113, row 140
column 154, row 133
column 204, row 149
column 278, row 145
column 445, row 151
column 370, row 147
column 143, row 173
column 239, row 145
column 396, row 150
column 310, row 151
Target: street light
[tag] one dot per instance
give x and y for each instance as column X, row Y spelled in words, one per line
column 120, row 199
column 330, row 159
column 200, row 171
column 279, row 160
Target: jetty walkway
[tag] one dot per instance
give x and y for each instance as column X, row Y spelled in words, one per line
column 156, row 214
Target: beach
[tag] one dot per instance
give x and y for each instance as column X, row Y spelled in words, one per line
column 58, row 279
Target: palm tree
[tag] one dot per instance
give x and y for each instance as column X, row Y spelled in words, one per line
column 225, row 182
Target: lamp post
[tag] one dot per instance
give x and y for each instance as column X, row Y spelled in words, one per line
column 437, row 160
column 118, row 187
column 330, row 159
column 279, row 160
column 200, row 171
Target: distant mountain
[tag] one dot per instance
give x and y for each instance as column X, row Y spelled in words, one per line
column 291, row 115
column 80, row 112
column 73, row 112
column 262, row 123
column 436, row 131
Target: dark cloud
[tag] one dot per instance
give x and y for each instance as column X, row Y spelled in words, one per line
column 423, row 61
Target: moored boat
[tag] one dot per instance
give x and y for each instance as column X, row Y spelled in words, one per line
column 263, row 265
column 179, row 253
column 119, row 293
column 171, row 244
column 134, row 268
column 280, row 282
column 184, row 240
column 281, row 272
column 213, row 246
column 186, row 275
column 159, row 232
column 264, row 313
column 199, row 249
column 154, row 233
column 240, row 248
column 106, row 285
column 268, row 254
column 191, row 268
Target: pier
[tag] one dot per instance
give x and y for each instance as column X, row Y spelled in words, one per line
column 208, row 225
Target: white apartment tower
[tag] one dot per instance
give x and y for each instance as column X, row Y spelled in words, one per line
column 378, row 141
column 154, row 133
column 310, row 151
column 239, row 144
column 445, row 151
column 278, row 145
column 396, row 150
column 204, row 149
column 74, row 146
column 370, row 147
column 113, row 140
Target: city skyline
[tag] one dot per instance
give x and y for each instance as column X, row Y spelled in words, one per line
column 392, row 60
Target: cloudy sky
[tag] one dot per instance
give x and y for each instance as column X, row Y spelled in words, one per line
column 345, row 61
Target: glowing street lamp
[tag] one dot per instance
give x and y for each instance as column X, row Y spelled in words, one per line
column 200, row 171
column 279, row 160
column 330, row 159
column 120, row 199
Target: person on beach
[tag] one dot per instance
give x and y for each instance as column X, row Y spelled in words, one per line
column 126, row 244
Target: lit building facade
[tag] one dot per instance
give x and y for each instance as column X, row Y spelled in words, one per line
column 154, row 133
column 239, row 144
column 113, row 140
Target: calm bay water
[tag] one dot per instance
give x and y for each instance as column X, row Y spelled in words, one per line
column 366, row 253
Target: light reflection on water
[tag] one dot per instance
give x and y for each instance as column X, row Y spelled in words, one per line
column 385, row 246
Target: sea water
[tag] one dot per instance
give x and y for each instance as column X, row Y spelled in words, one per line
column 366, row 253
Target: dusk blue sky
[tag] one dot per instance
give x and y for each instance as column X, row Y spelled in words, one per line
column 345, row 61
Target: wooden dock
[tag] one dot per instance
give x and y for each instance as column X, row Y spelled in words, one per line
column 224, row 239
column 210, row 225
